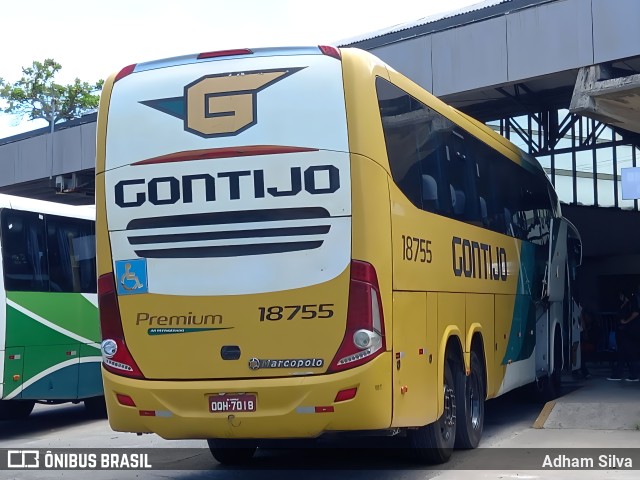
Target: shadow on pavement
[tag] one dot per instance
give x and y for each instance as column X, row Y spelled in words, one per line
column 45, row 418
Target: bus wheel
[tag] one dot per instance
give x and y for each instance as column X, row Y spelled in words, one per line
column 434, row 443
column 470, row 393
column 15, row 409
column 231, row 452
column 95, row 407
column 546, row 389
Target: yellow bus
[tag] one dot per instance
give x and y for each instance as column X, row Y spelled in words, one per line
column 300, row 242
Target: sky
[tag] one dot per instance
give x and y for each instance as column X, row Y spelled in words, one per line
column 92, row 39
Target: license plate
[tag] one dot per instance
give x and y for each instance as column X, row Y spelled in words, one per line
column 240, row 402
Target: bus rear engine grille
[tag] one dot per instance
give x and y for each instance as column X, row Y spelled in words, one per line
column 169, row 240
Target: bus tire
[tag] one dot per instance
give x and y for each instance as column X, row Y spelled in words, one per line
column 434, row 443
column 95, row 407
column 470, row 395
column 15, row 409
column 231, row 452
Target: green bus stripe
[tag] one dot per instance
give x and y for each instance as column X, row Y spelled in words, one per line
column 72, row 312
column 44, row 373
column 49, row 324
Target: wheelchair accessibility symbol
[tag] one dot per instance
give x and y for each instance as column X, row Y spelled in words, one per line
column 131, row 276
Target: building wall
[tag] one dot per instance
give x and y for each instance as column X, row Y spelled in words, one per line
column 43, row 156
column 412, row 58
column 551, row 37
column 615, row 29
column 469, row 57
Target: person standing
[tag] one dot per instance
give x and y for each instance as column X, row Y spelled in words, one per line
column 586, row 345
column 628, row 338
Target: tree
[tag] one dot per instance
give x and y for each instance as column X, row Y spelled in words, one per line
column 36, row 95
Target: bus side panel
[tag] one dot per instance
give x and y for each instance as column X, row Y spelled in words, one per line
column 90, row 375
column 50, row 358
column 414, row 400
column 51, row 372
column 103, row 248
column 451, row 323
column 365, row 134
column 504, row 305
column 371, row 228
column 480, row 318
column 53, row 328
column 13, row 368
column 434, row 380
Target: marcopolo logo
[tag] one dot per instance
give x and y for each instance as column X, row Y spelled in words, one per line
column 258, row 363
column 220, row 105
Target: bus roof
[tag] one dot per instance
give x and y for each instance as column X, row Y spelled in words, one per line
column 226, row 54
column 87, row 212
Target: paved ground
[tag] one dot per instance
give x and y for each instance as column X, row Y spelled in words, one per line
column 596, row 419
column 592, row 418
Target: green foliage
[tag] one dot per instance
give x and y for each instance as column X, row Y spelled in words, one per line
column 36, row 95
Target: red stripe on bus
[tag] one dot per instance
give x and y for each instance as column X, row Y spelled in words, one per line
column 225, row 53
column 226, row 152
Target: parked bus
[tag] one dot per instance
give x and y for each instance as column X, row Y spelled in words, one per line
column 49, row 328
column 298, row 242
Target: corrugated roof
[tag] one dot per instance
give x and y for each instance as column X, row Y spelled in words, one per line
column 484, row 9
column 422, row 21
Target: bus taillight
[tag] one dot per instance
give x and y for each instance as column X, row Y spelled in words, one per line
column 128, row 70
column 330, row 51
column 364, row 336
column 116, row 357
column 225, row 53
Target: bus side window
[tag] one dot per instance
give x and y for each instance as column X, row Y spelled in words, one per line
column 72, row 254
column 436, row 196
column 459, row 201
column 18, row 272
column 508, row 222
column 24, row 252
column 483, row 212
column 430, row 193
column 460, row 174
column 415, row 138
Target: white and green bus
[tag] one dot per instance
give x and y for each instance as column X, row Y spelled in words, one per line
column 49, row 331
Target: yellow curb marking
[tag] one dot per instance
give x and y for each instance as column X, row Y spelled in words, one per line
column 544, row 414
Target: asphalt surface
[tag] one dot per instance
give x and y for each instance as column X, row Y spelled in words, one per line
column 593, row 418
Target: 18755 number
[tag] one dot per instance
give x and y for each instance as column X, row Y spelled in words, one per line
column 416, row 249
column 289, row 312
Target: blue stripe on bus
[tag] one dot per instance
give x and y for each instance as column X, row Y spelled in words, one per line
column 522, row 337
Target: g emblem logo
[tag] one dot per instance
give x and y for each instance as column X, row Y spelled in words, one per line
column 223, row 104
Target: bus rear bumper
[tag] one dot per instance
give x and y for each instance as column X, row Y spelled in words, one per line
column 289, row 407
